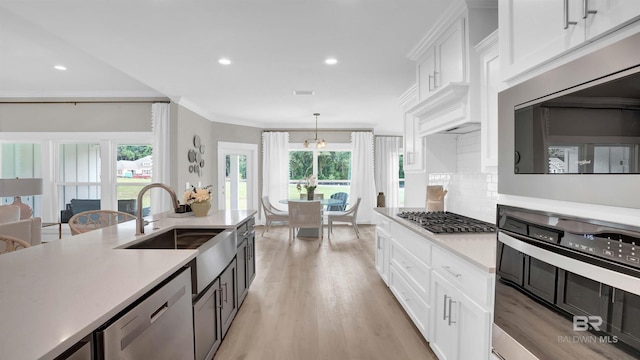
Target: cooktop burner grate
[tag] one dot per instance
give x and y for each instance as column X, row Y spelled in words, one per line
column 439, row 222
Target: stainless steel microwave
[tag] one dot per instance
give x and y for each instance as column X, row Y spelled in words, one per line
column 573, row 133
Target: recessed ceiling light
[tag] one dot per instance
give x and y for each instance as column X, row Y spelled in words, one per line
column 303, row 92
column 331, row 61
column 224, row 61
column 60, row 67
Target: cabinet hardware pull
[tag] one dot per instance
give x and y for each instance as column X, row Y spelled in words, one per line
column 566, row 16
column 613, row 296
column 585, row 9
column 435, row 83
column 219, row 304
column 450, row 307
column 444, row 311
column 434, row 80
column 600, row 291
column 405, row 265
column 226, row 291
column 451, row 271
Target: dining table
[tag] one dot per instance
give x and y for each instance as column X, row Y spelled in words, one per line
column 312, row 232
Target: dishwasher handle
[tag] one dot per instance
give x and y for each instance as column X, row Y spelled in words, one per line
column 144, row 324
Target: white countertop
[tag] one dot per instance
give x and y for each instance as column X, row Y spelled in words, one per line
column 477, row 248
column 53, row 295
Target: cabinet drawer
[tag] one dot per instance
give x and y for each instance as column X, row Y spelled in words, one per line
column 412, row 242
column 383, row 222
column 473, row 281
column 415, row 307
column 415, row 271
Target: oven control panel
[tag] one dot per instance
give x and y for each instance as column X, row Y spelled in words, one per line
column 610, row 247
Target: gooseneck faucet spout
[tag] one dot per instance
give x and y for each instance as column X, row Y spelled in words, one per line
column 140, row 220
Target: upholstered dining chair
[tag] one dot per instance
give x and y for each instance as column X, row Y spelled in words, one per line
column 305, row 214
column 12, row 243
column 96, row 219
column 9, row 213
column 349, row 216
column 272, row 214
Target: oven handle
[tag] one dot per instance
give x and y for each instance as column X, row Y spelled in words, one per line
column 608, row 277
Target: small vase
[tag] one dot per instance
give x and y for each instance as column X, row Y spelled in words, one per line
column 309, row 194
column 201, row 208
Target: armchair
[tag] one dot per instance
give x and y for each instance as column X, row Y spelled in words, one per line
column 272, row 214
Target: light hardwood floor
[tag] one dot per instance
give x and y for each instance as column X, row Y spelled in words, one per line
column 328, row 302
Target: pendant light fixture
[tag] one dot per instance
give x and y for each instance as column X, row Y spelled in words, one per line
column 319, row 143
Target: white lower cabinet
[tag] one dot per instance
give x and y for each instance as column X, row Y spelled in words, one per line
column 448, row 298
column 460, row 328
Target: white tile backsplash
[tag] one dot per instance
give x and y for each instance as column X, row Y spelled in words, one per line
column 471, row 192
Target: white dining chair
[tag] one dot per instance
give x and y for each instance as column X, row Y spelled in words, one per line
column 349, row 216
column 272, row 214
column 305, row 214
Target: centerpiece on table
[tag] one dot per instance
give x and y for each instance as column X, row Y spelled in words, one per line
column 310, row 185
column 199, row 198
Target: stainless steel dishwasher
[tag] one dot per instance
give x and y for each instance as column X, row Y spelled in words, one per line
column 159, row 327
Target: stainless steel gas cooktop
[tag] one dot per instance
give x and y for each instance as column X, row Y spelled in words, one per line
column 439, row 222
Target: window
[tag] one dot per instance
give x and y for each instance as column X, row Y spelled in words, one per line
column 79, row 172
column 22, row 160
column 134, row 169
column 331, row 166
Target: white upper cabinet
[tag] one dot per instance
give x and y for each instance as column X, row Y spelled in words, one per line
column 489, row 63
column 442, row 62
column 446, row 68
column 534, row 32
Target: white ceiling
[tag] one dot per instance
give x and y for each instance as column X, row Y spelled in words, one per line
column 149, row 48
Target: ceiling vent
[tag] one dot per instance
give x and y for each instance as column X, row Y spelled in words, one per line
column 303, row 92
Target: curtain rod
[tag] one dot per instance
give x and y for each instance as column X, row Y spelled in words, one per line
column 87, row 102
column 307, row 130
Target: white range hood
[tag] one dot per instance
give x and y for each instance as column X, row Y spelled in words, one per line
column 445, row 112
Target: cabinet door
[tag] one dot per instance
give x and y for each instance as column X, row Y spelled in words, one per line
column 228, row 300
column 474, row 328
column 251, row 263
column 426, row 73
column 382, row 256
column 540, row 278
column 610, row 15
column 443, row 336
column 532, row 32
column 451, row 57
column 625, row 315
column 510, row 264
column 207, row 335
column 581, row 296
column 242, row 261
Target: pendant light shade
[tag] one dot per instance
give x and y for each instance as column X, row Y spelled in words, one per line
column 319, row 143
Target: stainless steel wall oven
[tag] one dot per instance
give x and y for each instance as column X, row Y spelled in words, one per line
column 566, row 287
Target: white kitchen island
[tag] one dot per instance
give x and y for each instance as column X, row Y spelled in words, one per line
column 55, row 294
column 445, row 282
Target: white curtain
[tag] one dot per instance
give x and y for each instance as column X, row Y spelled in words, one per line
column 160, row 200
column 388, row 168
column 275, row 167
column 362, row 175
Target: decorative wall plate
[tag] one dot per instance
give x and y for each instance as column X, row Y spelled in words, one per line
column 196, row 141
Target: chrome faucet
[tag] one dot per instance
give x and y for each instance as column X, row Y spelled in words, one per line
column 140, row 220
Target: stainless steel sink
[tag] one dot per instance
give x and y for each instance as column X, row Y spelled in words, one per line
column 216, row 248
